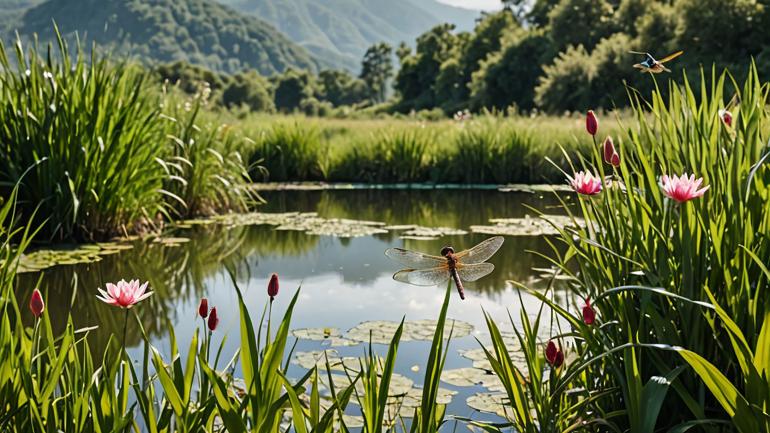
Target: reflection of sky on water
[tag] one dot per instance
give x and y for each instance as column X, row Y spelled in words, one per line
column 344, row 281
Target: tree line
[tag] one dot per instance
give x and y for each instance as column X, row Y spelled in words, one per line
column 553, row 56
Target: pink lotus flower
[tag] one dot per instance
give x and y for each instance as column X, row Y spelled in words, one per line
column 124, row 294
column 589, row 315
column 592, row 123
column 683, row 188
column 727, row 117
column 36, row 304
column 585, row 183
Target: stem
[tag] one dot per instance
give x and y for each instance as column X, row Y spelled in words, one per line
column 125, row 327
column 35, row 342
column 269, row 319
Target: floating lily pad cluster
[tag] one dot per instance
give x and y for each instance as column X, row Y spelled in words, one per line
column 527, row 226
column 420, row 233
column 308, row 222
column 382, row 331
column 403, row 396
column 489, row 402
column 89, row 253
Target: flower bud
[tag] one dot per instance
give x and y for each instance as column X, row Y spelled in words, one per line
column 213, row 319
column 272, row 286
column 615, row 160
column 589, row 315
column 36, row 304
column 592, row 123
column 203, row 308
column 727, row 117
column 550, row 352
column 609, row 149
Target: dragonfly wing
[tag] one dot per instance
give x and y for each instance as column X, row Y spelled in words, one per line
column 475, row 271
column 422, row 277
column 413, row 259
column 671, row 56
column 481, row 252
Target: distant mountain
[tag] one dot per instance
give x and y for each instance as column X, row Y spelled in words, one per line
column 199, row 31
column 341, row 30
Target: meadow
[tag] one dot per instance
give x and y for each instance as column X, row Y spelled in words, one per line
column 661, row 317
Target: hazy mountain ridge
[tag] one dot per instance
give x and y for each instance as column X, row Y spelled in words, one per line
column 344, row 29
column 199, row 31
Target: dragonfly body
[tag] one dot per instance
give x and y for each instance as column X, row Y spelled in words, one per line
column 427, row 270
column 451, row 262
column 650, row 64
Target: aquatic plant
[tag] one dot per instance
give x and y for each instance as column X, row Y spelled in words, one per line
column 586, row 183
column 656, row 273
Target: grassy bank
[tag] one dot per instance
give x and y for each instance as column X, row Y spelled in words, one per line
column 98, row 152
column 485, row 149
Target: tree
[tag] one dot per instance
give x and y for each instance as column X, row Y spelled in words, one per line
column 377, row 69
column 291, row 88
column 522, row 57
column 417, row 77
column 580, row 22
column 249, row 89
column 341, row 88
column 566, row 83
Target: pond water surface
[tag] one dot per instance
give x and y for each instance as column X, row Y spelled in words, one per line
column 344, row 281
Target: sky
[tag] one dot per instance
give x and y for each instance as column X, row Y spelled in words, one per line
column 475, row 4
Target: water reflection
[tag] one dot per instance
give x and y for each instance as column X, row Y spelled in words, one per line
column 181, row 274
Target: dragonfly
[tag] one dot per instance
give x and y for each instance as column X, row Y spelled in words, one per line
column 427, row 270
column 649, row 64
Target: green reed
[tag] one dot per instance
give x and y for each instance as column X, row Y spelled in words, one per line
column 87, row 132
column 656, row 269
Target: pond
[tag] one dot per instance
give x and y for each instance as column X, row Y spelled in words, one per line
column 344, row 281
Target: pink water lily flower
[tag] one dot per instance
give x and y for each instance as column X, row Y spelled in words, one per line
column 124, row 294
column 683, row 188
column 586, row 183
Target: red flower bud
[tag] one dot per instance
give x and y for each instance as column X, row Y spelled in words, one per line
column 203, row 308
column 550, row 352
column 36, row 304
column 592, row 123
column 559, row 359
column 213, row 319
column 272, row 286
column 727, row 117
column 589, row 315
column 615, row 160
column 609, row 149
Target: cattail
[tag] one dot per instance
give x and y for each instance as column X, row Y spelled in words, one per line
column 36, row 304
column 203, row 308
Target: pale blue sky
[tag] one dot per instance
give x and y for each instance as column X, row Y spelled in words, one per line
column 475, row 4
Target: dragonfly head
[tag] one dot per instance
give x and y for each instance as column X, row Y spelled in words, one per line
column 447, row 250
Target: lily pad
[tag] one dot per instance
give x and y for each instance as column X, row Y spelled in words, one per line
column 316, row 334
column 308, row 222
column 527, row 226
column 469, row 376
column 382, row 331
column 489, row 402
column 68, row 255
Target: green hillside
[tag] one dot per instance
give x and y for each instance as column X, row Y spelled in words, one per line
column 199, row 31
column 342, row 30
